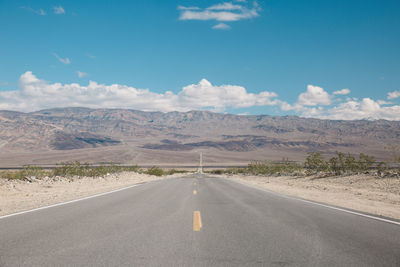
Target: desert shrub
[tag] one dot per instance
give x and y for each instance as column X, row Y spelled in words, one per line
column 334, row 165
column 350, row 163
column 68, row 169
column 316, row 163
column 381, row 168
column 26, row 172
column 219, row 171
column 154, row 171
column 173, row 171
column 12, row 174
column 365, row 162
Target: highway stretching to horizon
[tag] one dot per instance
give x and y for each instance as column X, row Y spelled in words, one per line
column 196, row 220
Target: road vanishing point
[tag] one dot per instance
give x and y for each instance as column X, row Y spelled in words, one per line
column 196, row 220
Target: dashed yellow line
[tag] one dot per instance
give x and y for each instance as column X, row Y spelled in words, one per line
column 194, row 192
column 196, row 221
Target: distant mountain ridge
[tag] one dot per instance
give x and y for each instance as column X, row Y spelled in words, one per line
column 65, row 129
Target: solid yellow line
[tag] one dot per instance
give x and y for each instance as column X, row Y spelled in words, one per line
column 196, row 221
column 194, row 192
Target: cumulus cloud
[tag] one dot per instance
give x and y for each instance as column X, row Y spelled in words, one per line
column 206, row 95
column 58, row 10
column 367, row 108
column 223, row 12
column 314, row 96
column 221, row 26
column 62, row 60
column 35, row 94
column 342, row 92
column 393, row 95
column 81, row 74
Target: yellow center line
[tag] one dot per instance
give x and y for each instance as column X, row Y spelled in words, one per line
column 196, row 221
column 194, row 192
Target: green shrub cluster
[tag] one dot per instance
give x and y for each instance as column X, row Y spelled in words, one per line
column 339, row 164
column 66, row 169
column 27, row 171
column 160, row 172
column 263, row 168
column 156, row 171
column 69, row 169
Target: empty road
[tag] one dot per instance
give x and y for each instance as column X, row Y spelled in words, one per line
column 196, row 221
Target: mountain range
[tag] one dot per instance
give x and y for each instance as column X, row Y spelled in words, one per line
column 176, row 138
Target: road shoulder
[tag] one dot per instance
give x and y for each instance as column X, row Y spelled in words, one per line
column 363, row 193
column 18, row 195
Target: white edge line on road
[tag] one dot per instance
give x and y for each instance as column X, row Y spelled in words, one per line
column 68, row 202
column 316, row 203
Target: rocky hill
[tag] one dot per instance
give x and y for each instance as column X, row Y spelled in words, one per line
column 131, row 136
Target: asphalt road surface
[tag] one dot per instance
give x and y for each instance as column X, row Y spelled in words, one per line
column 196, row 221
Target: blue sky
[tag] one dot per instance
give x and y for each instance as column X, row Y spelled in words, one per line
column 257, row 57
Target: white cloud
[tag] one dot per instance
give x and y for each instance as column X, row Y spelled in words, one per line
column 35, row 94
column 81, row 74
column 36, row 11
column 314, row 96
column 225, row 6
column 204, row 94
column 364, row 109
column 62, row 60
column 342, row 92
column 393, row 95
column 188, row 8
column 58, row 10
column 221, row 26
column 383, row 102
column 220, row 12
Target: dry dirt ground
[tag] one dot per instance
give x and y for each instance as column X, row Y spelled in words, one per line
column 379, row 196
column 18, row 195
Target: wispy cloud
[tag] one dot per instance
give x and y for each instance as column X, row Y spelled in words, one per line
column 225, row 6
column 224, row 12
column 91, row 56
column 62, row 60
column 36, row 11
column 58, row 10
column 221, row 26
column 81, row 74
column 342, row 92
column 188, row 8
